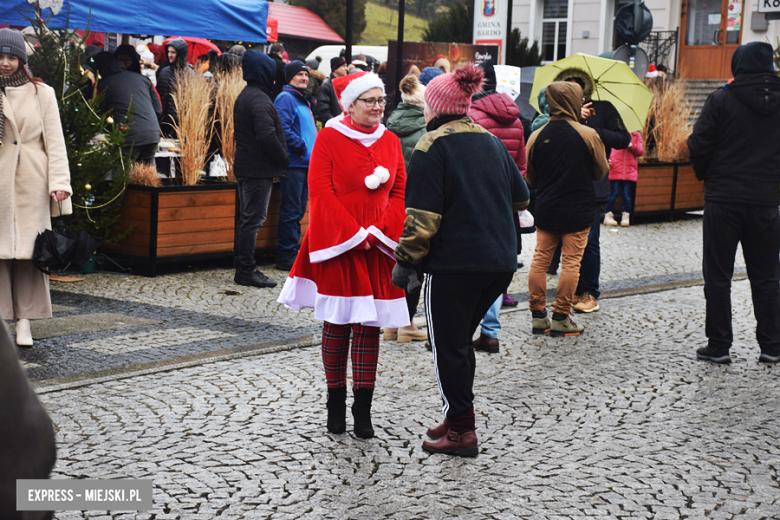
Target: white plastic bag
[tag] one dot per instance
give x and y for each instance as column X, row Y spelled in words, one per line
column 218, row 167
column 526, row 219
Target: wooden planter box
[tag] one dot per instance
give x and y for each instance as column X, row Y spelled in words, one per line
column 666, row 189
column 186, row 223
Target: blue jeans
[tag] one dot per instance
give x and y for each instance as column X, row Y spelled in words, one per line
column 622, row 188
column 295, row 195
column 490, row 324
column 590, row 267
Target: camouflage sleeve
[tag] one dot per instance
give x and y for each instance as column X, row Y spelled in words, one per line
column 419, row 228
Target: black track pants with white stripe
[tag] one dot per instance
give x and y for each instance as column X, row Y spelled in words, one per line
column 454, row 306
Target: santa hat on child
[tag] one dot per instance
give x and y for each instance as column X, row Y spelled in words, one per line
column 652, row 72
column 348, row 88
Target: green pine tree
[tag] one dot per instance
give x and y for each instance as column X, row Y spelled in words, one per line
column 98, row 172
column 457, row 26
column 520, row 54
column 334, row 12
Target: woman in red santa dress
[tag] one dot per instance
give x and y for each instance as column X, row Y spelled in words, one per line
column 356, row 188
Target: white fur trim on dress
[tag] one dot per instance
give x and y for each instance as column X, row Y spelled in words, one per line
column 316, row 257
column 364, row 139
column 387, row 241
column 380, row 176
column 358, row 86
column 299, row 293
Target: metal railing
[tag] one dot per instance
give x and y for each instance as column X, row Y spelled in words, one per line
column 661, row 48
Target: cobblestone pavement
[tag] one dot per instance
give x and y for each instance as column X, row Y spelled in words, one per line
column 201, row 313
column 619, row 423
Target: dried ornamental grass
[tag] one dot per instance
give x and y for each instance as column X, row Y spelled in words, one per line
column 144, row 174
column 192, row 97
column 229, row 87
column 667, row 123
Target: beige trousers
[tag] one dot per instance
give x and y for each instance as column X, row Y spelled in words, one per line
column 24, row 291
column 572, row 249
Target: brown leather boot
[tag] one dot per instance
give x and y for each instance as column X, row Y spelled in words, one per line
column 437, row 432
column 461, row 444
column 486, row 344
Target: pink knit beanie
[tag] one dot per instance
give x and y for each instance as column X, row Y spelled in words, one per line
column 450, row 94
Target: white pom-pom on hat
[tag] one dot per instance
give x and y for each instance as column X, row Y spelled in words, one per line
column 380, row 176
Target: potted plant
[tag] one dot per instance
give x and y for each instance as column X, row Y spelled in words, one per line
column 666, row 182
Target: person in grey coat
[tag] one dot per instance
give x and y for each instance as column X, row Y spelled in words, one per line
column 124, row 92
column 261, row 155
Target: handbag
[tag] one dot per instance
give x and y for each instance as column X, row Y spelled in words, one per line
column 64, row 207
column 58, row 247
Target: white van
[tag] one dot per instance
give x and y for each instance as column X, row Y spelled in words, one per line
column 326, row 52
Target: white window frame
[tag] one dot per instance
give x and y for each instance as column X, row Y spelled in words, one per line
column 536, row 21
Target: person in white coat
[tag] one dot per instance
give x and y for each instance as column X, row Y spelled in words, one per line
column 33, row 170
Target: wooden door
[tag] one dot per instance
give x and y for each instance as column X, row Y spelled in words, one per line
column 711, row 31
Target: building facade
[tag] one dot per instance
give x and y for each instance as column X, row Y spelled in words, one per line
column 706, row 32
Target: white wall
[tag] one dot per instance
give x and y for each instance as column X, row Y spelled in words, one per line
column 748, row 35
column 585, row 17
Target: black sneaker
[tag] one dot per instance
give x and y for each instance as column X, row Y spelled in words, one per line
column 720, row 356
column 253, row 279
column 285, row 265
column 768, row 358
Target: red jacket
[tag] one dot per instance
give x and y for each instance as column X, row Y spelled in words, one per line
column 499, row 115
column 624, row 166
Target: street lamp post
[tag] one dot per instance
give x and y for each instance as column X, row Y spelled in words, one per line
column 348, row 53
column 399, row 63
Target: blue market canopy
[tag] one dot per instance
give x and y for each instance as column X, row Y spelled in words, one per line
column 241, row 20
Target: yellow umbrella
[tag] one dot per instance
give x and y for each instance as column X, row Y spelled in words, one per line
column 613, row 81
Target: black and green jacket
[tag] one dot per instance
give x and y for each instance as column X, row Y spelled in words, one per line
column 462, row 190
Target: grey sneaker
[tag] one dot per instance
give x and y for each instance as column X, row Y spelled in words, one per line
column 716, row 355
column 768, row 358
column 565, row 327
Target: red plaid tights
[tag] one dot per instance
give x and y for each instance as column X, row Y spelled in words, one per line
column 365, row 353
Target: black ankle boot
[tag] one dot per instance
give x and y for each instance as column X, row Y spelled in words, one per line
column 337, row 410
column 361, row 412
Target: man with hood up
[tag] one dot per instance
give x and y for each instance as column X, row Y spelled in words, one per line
column 166, row 75
column 124, row 91
column 734, row 150
column 564, row 158
column 604, row 118
column 261, row 155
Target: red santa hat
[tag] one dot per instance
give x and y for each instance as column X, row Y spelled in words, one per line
column 652, row 72
column 348, row 88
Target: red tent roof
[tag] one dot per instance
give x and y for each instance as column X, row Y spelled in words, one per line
column 299, row 22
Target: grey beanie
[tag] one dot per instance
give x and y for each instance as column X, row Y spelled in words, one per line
column 12, row 42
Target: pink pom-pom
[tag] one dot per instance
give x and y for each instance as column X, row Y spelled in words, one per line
column 372, row 182
column 469, row 78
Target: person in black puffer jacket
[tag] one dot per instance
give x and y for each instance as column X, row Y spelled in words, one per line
column 734, row 150
column 123, row 91
column 166, row 75
column 261, row 155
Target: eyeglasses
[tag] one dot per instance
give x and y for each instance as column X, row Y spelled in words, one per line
column 374, row 101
